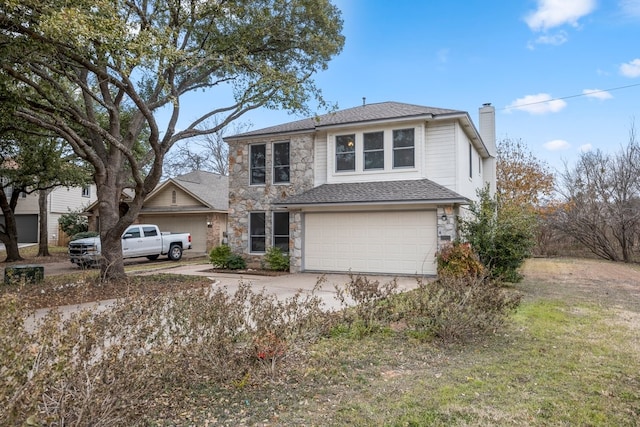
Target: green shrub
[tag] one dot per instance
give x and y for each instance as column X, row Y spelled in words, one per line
column 236, row 262
column 458, row 260
column 219, row 256
column 502, row 236
column 73, row 223
column 276, row 260
column 222, row 257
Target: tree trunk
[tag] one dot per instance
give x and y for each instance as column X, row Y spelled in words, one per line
column 43, row 245
column 112, row 265
column 9, row 232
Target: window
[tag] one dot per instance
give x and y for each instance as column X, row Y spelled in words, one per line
column 374, row 150
column 470, row 161
column 403, row 148
column 258, row 163
column 174, row 197
column 345, row 153
column 150, row 231
column 86, row 191
column 257, row 236
column 280, row 162
column 133, row 232
column 281, row 231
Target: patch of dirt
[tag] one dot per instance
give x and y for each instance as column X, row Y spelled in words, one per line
column 593, row 281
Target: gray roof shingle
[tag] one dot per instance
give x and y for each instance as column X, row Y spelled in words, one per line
column 422, row 190
column 211, row 188
column 360, row 114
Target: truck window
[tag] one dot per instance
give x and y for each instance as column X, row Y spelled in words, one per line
column 133, row 232
column 150, row 231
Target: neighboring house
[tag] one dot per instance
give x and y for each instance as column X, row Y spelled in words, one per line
column 370, row 189
column 196, row 203
column 61, row 200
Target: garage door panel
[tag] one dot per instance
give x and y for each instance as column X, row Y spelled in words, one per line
column 375, row 242
column 196, row 225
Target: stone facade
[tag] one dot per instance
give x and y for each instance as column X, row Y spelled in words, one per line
column 245, row 198
column 447, row 232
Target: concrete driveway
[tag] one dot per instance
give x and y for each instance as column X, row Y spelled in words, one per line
column 287, row 285
column 283, row 286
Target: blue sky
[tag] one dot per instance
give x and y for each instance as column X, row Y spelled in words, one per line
column 564, row 75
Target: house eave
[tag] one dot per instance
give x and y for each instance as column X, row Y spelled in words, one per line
column 387, row 203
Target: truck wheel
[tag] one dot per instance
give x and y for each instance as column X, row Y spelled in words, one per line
column 175, row 252
column 152, row 257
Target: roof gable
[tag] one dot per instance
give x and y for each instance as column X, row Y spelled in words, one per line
column 209, row 189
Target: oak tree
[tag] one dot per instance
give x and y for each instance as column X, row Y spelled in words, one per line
column 76, row 61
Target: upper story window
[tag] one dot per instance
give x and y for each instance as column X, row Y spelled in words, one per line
column 258, row 163
column 373, row 150
column 174, row 197
column 403, row 148
column 345, row 153
column 86, row 191
column 280, row 162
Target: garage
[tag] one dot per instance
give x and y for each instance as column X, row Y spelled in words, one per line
column 389, row 242
column 194, row 224
column 27, row 225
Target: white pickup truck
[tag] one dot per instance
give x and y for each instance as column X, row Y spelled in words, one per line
column 139, row 240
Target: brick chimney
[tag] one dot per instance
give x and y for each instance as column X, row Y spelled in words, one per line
column 487, row 121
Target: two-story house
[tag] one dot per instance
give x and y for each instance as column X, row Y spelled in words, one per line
column 60, row 201
column 370, row 189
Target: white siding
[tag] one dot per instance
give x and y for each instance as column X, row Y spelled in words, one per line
column 389, row 173
column 320, row 160
column 440, row 154
column 467, row 185
column 61, row 201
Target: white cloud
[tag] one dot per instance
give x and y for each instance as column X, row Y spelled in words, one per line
column 541, row 103
column 585, row 148
column 557, row 145
column 630, row 7
column 597, row 94
column 631, row 69
column 555, row 39
column 555, row 13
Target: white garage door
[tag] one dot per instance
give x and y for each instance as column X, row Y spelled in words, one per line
column 371, row 242
column 194, row 224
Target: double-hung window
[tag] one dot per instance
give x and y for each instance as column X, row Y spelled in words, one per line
column 281, row 231
column 281, row 162
column 345, row 153
column 258, row 154
column 373, row 150
column 257, row 232
column 403, row 148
